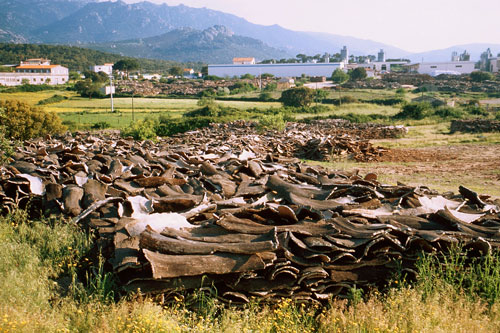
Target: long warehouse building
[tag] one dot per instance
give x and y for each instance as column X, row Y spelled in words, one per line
column 278, row 70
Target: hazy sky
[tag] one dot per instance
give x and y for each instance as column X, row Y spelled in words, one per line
column 409, row 24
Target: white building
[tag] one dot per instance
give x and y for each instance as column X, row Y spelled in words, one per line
column 106, row 68
column 155, row 77
column 278, row 70
column 35, row 71
column 378, row 66
column 449, row 67
column 495, row 65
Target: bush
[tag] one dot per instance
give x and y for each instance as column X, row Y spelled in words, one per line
column 481, row 76
column 241, row 87
column 271, row 87
column 413, row 111
column 449, row 112
column 22, row 121
column 361, row 118
column 476, row 110
column 386, row 101
column 101, row 125
column 141, row 130
column 265, row 96
column 54, row 99
column 272, row 122
column 297, row 97
column 168, row 127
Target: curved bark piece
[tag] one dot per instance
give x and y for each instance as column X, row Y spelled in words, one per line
column 216, row 234
column 171, row 266
column 154, row 241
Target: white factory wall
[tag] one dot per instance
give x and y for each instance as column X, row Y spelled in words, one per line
column 278, row 70
column 436, row 68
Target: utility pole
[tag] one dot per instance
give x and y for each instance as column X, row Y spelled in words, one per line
column 111, row 91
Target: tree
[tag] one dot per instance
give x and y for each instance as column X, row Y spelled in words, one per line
column 320, row 95
column 302, row 57
column 99, row 77
column 176, row 71
column 126, row 65
column 358, row 73
column 87, row 88
column 297, row 97
column 339, row 76
column 481, row 76
column 204, row 70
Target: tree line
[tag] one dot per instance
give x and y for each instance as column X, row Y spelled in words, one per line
column 79, row 59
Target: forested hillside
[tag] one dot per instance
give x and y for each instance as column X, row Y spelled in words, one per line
column 76, row 58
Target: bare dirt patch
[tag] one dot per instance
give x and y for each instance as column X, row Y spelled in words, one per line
column 442, row 167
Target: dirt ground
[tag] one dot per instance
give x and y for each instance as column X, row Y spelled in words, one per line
column 443, row 168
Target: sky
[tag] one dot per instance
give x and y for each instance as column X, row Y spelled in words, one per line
column 415, row 26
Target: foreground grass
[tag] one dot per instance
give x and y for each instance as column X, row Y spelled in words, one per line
column 36, row 256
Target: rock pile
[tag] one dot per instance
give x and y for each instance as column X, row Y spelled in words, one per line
column 180, row 215
column 475, row 126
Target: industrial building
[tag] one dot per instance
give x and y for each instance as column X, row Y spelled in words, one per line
column 447, row 67
column 35, row 71
column 278, row 70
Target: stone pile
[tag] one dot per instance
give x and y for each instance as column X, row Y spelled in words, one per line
column 178, row 87
column 181, row 215
column 475, row 126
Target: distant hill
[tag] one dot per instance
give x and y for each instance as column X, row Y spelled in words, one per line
column 216, row 44
column 76, row 58
column 84, row 21
column 21, row 17
column 77, row 22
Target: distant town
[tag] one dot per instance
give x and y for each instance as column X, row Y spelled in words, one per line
column 41, row 71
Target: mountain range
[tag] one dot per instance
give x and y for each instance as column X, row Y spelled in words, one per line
column 173, row 32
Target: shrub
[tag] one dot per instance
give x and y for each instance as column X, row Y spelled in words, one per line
column 208, row 110
column 271, row 87
column 297, row 97
column 476, row 110
column 400, row 91
column 141, row 130
column 101, row 125
column 481, row 76
column 272, row 122
column 54, row 99
column 265, row 96
column 449, row 112
column 241, row 87
column 413, row 111
column 497, row 116
column 167, row 127
column 23, row 121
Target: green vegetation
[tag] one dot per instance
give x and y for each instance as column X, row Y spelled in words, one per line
column 141, row 130
column 297, row 97
column 358, row 73
column 77, row 58
column 22, row 121
column 51, row 100
column 480, row 76
column 339, row 76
